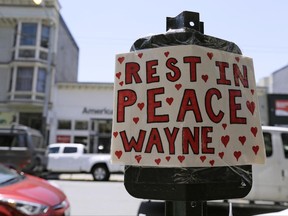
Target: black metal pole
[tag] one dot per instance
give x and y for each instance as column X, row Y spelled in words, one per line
column 185, row 208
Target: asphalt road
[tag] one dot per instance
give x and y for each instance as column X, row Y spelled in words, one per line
column 90, row 198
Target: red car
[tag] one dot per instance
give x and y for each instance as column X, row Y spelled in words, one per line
column 22, row 194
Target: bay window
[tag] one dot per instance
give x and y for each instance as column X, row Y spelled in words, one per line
column 28, row 78
column 34, row 39
column 29, row 83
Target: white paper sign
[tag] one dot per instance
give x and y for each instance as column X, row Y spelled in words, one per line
column 185, row 106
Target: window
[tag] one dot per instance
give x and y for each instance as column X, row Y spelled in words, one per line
column 6, row 140
column 268, row 144
column 105, row 126
column 21, row 141
column 70, row 150
column 37, row 141
column 53, row 150
column 102, row 139
column 43, row 55
column 104, row 145
column 24, row 79
column 284, row 137
column 15, row 35
column 28, row 34
column 81, row 139
column 81, row 125
column 11, row 80
column 64, row 124
column 27, row 53
column 41, row 80
column 32, row 120
column 45, row 31
column 12, row 140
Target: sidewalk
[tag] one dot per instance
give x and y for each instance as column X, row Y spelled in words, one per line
column 88, row 177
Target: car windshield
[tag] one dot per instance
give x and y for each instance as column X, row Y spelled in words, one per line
column 8, row 176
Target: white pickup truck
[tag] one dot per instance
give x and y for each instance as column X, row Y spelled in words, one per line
column 72, row 158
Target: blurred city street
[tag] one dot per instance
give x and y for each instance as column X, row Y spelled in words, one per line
column 90, row 198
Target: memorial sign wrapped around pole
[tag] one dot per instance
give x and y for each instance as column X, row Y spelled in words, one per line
column 186, row 122
column 186, row 106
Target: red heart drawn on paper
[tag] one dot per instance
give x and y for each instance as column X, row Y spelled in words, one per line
column 252, row 91
column 242, row 139
column 237, row 59
column 178, row 86
column 121, row 83
column 169, row 100
column 254, row 131
column 115, row 134
column 251, row 106
column 118, row 75
column 140, row 55
column 237, row 154
column 118, row 154
column 121, row 59
column 140, row 105
column 212, row 162
column 255, row 149
column 136, row 120
column 166, row 54
column 224, row 125
column 157, row 161
column 203, row 158
column 138, row 158
column 225, row 140
column 205, row 78
column 181, row 158
column 221, row 155
column 210, row 55
column 168, row 158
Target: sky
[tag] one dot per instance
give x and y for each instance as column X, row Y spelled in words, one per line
column 103, row 29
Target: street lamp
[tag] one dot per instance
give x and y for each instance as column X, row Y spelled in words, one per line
column 48, row 74
column 37, row 2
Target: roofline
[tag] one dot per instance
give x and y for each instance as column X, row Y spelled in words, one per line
column 275, row 128
column 284, row 67
column 68, row 30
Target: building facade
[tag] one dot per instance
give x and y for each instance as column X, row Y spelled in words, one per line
column 82, row 113
column 278, row 100
column 37, row 52
column 39, row 87
column 277, row 97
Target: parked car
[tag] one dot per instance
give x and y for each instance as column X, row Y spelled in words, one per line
column 22, row 148
column 23, row 194
column 73, row 158
column 8, row 210
column 278, row 213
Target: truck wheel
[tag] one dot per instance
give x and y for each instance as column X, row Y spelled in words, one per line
column 100, row 173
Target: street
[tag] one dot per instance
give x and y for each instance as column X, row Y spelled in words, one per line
column 90, row 198
column 98, row 198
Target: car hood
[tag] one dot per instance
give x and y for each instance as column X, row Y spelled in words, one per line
column 34, row 189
